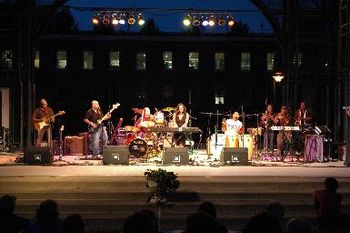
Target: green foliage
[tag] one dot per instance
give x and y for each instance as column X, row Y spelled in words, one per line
column 167, row 182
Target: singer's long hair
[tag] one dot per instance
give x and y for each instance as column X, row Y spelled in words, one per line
column 178, row 106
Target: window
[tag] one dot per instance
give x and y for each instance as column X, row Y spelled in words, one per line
column 37, row 59
column 219, row 95
column 114, row 59
column 245, row 61
column 168, row 60
column 220, row 61
column 270, row 61
column 6, row 59
column 193, row 60
column 141, row 61
column 88, row 58
column 61, row 59
column 297, row 59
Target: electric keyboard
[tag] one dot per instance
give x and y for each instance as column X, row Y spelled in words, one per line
column 286, row 128
column 175, row 130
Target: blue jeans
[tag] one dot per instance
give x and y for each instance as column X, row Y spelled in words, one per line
column 99, row 133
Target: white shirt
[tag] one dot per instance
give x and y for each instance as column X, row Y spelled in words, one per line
column 232, row 127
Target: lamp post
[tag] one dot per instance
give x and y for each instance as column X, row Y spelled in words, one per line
column 277, row 77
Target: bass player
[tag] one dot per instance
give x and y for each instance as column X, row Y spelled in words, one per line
column 94, row 119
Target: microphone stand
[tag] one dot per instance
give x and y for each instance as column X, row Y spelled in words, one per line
column 243, row 122
column 109, row 126
column 216, row 128
column 190, row 134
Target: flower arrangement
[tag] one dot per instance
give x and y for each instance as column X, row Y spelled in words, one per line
column 160, row 183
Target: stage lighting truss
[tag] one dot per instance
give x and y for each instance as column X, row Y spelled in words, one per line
column 120, row 17
column 208, row 19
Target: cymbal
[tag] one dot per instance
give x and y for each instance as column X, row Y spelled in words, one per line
column 130, row 128
column 168, row 109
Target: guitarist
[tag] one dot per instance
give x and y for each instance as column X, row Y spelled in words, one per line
column 92, row 116
column 43, row 113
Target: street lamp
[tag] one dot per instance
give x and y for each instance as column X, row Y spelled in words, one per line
column 277, row 77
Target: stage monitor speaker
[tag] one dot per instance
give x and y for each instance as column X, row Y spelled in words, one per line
column 234, row 156
column 37, row 156
column 116, row 155
column 176, row 156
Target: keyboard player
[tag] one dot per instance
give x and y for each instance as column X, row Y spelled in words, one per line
column 180, row 120
column 283, row 119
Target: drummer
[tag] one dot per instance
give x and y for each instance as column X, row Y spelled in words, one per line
column 145, row 121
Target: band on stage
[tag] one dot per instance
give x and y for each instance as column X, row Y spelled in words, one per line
column 276, row 132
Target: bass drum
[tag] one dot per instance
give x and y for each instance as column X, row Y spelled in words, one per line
column 138, row 147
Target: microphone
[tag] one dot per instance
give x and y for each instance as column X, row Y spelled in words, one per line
column 345, row 107
column 266, row 101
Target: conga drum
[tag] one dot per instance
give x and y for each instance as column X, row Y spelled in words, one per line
column 248, row 142
column 232, row 141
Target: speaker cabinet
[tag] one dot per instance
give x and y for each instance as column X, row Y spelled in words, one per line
column 37, row 156
column 234, row 156
column 176, row 156
column 74, row 145
column 116, row 155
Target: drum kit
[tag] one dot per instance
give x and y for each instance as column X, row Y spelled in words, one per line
column 140, row 140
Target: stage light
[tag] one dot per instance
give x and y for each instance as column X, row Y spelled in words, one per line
column 131, row 20
column 205, row 22
column 96, row 20
column 211, row 21
column 121, row 21
column 196, row 22
column 221, row 21
column 106, row 20
column 115, row 20
column 141, row 20
column 187, row 21
column 230, row 21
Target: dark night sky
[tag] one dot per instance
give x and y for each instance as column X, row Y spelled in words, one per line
column 169, row 20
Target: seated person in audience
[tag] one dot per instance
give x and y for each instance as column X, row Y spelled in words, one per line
column 327, row 204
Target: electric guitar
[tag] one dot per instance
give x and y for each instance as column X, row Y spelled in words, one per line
column 105, row 117
column 46, row 121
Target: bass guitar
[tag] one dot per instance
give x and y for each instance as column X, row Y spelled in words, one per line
column 46, row 121
column 105, row 117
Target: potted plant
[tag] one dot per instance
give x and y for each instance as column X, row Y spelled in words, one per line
column 160, row 183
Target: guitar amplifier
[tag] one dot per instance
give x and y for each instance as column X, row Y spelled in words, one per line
column 116, row 155
column 37, row 156
column 233, row 156
column 74, row 145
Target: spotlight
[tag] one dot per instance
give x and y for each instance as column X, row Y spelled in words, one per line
column 121, row 21
column 141, row 20
column 230, row 21
column 221, row 21
column 196, row 22
column 96, row 20
column 115, row 20
column 205, row 22
column 106, row 20
column 187, row 21
column 211, row 21
column 131, row 20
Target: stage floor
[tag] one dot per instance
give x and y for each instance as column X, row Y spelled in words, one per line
column 11, row 165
